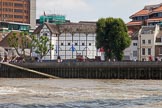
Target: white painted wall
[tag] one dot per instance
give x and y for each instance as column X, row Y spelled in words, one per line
column 131, row 51
column 80, row 45
column 146, row 37
column 63, row 47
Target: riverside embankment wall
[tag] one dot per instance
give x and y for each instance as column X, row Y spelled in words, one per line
column 98, row 70
column 8, row 70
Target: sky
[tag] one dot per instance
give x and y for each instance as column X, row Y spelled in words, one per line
column 92, row 10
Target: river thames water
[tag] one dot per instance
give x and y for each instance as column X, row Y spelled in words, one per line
column 80, row 93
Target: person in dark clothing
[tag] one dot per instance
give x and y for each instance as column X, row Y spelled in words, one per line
column 58, row 59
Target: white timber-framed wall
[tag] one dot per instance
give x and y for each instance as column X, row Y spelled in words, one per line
column 73, row 44
column 69, row 40
column 52, row 37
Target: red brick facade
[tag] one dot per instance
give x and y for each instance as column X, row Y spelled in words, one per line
column 15, row 11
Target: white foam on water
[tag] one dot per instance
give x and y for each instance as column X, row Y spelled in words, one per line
column 15, row 90
column 8, row 90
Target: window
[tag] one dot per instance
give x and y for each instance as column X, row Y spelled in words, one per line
column 45, row 34
column 76, row 44
column 149, row 51
column 62, row 44
column 134, row 44
column 149, row 41
column 18, row 10
column 134, row 53
column 82, row 44
column 143, row 51
column 160, row 51
column 160, row 14
column 69, row 44
column 18, row 5
column 18, row 16
column 161, row 39
column 89, row 44
column 143, row 41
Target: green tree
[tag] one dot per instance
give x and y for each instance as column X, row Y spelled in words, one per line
column 19, row 41
column 33, row 44
column 22, row 41
column 43, row 46
column 112, row 36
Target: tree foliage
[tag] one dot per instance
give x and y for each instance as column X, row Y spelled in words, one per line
column 112, row 36
column 43, row 46
column 23, row 41
column 19, row 41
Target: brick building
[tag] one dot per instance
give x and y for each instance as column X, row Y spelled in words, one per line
column 21, row 11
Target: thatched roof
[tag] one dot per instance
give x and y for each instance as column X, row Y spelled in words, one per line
column 69, row 28
column 52, row 27
column 78, row 28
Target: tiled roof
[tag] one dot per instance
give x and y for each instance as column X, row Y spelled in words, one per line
column 154, row 19
column 148, row 10
column 159, row 9
column 143, row 12
column 134, row 23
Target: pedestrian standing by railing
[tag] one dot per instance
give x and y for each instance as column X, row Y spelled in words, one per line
column 59, row 59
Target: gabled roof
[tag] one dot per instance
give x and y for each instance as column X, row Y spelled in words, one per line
column 143, row 12
column 52, row 27
column 38, row 29
column 69, row 28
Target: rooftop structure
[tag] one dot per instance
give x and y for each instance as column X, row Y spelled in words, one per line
column 149, row 15
column 52, row 18
column 11, row 26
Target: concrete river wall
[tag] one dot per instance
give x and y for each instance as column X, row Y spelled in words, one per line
column 94, row 70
